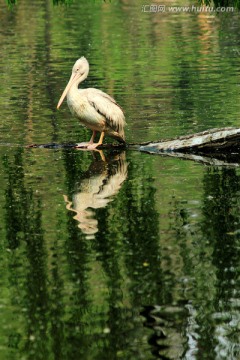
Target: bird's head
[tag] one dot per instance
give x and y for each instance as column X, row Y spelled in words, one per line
column 81, row 66
column 79, row 73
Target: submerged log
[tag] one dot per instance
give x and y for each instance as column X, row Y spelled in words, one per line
column 221, row 145
column 217, row 159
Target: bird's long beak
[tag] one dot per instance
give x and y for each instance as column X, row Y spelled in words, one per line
column 67, row 88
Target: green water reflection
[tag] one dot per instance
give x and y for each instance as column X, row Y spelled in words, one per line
column 147, row 280
column 108, row 255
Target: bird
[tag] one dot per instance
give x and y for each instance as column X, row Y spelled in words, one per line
column 94, row 108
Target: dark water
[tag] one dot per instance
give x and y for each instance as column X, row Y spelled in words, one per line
column 117, row 255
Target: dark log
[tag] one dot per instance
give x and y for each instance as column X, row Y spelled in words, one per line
column 222, row 146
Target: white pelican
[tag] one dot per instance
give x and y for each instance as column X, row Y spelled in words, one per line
column 95, row 109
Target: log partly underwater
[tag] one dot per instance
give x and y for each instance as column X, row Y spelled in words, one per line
column 221, row 144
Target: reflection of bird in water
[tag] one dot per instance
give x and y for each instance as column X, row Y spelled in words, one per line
column 101, row 182
column 95, row 109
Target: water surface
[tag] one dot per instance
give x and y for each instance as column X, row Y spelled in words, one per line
column 117, row 255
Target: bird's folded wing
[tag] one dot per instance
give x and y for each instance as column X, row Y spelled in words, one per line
column 108, row 107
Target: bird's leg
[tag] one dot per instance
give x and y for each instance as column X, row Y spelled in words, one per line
column 85, row 144
column 92, row 138
column 100, row 141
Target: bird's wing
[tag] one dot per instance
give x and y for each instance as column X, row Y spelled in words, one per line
column 108, row 107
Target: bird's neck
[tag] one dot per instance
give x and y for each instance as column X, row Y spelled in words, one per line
column 73, row 88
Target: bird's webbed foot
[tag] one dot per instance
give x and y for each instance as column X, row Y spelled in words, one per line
column 93, row 146
column 82, row 145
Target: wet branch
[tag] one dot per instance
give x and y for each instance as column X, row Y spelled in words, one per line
column 222, row 144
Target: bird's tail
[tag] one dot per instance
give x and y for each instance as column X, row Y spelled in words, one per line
column 119, row 137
